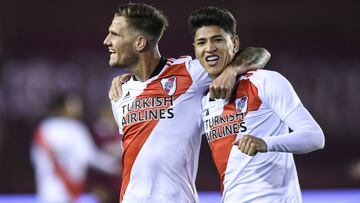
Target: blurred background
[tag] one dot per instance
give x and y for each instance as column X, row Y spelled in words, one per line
column 51, row 47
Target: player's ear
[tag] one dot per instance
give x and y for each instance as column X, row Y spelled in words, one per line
column 236, row 43
column 141, row 43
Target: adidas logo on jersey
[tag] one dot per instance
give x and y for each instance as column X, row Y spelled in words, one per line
column 207, row 112
column 127, row 95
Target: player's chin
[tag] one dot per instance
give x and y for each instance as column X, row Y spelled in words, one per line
column 113, row 60
column 214, row 70
column 113, row 63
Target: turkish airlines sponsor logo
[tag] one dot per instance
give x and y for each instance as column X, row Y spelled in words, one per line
column 224, row 125
column 148, row 108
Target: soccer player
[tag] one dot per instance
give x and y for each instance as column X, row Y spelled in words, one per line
column 62, row 152
column 248, row 134
column 159, row 113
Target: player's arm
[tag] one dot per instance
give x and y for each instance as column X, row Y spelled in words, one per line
column 105, row 162
column 306, row 135
column 115, row 91
column 249, row 58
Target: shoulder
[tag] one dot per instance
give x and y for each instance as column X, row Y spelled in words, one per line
column 63, row 123
column 261, row 74
column 186, row 60
column 50, row 122
column 264, row 77
column 132, row 84
column 180, row 60
column 187, row 64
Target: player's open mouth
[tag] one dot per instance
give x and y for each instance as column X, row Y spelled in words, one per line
column 212, row 60
column 111, row 51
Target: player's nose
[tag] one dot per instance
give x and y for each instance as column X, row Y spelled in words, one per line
column 210, row 47
column 107, row 40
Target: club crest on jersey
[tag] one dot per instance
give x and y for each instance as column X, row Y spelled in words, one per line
column 169, row 85
column 241, row 104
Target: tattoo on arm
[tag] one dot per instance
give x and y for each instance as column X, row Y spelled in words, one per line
column 252, row 56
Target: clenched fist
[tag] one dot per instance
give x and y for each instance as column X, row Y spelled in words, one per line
column 251, row 145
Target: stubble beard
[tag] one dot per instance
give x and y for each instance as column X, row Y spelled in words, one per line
column 127, row 63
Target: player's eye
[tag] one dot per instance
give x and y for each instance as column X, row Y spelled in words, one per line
column 114, row 34
column 200, row 43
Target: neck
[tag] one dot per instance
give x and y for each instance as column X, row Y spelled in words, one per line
column 147, row 64
column 213, row 77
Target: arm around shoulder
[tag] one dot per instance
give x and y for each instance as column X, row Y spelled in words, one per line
column 250, row 58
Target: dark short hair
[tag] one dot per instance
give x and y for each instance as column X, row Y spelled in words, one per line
column 144, row 18
column 212, row 16
column 58, row 102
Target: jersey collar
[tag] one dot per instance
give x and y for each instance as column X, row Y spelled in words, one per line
column 158, row 68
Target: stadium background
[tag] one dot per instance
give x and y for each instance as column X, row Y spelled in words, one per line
column 54, row 46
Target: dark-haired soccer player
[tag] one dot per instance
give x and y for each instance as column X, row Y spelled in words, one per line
column 248, row 134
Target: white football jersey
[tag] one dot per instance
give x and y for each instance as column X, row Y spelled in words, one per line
column 262, row 100
column 160, row 124
column 71, row 142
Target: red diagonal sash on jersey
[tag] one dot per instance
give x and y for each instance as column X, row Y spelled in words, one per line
column 221, row 148
column 135, row 135
column 74, row 188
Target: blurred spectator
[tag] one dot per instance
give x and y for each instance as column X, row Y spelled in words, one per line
column 62, row 151
column 353, row 170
